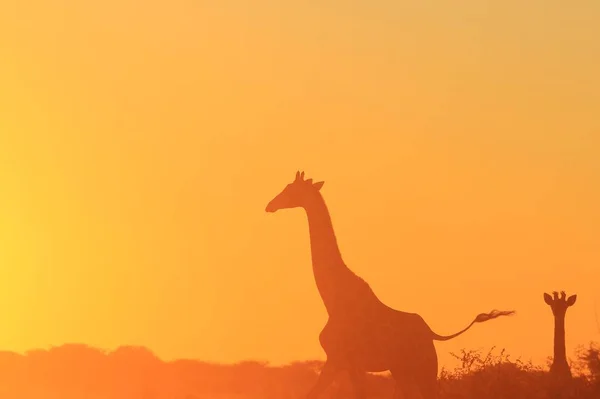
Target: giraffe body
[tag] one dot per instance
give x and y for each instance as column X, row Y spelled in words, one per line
column 363, row 334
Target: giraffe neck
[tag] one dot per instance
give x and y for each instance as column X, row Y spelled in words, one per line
column 560, row 352
column 337, row 284
column 324, row 249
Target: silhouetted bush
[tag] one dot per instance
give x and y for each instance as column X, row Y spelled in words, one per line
column 78, row 371
column 496, row 375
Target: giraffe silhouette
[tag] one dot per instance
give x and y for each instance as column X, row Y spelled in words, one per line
column 362, row 334
column 559, row 369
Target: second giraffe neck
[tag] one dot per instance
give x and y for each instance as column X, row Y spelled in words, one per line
column 560, row 352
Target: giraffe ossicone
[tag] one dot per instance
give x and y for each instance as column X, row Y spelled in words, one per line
column 559, row 304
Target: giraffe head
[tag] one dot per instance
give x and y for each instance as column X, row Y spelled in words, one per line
column 296, row 194
column 559, row 304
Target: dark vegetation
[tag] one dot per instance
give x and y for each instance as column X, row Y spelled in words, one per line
column 78, row 371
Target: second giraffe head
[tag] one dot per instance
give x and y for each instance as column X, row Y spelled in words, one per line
column 559, row 304
column 296, row 194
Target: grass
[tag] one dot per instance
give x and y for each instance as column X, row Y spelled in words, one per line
column 78, row 371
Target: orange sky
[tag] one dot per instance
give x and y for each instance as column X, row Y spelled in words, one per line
column 141, row 141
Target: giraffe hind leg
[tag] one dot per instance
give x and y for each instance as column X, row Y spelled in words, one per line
column 418, row 379
column 407, row 389
column 411, row 386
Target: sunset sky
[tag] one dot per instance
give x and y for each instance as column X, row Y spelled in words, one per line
column 140, row 142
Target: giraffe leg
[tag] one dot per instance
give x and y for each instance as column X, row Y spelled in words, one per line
column 407, row 390
column 426, row 373
column 409, row 386
column 358, row 379
column 406, row 386
column 326, row 377
column 398, row 392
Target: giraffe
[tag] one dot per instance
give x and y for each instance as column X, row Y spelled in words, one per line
column 559, row 369
column 362, row 334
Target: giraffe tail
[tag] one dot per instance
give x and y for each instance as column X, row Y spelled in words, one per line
column 479, row 319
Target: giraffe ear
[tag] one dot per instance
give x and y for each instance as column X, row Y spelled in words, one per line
column 571, row 300
column 318, row 185
column 547, row 299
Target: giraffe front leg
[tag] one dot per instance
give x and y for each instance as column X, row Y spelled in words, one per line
column 326, row 377
column 358, row 379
